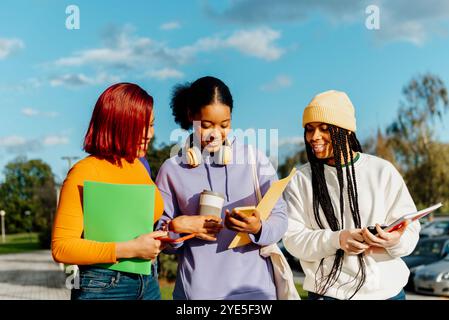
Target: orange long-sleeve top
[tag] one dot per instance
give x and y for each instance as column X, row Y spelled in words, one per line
column 68, row 245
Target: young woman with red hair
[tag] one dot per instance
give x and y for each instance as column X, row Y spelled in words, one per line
column 118, row 135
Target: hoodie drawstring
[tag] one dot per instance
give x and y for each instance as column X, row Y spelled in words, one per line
column 209, row 179
column 208, row 176
column 226, row 182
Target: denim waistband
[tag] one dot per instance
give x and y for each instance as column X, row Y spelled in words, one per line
column 84, row 268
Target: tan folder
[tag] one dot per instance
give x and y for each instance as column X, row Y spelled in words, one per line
column 264, row 207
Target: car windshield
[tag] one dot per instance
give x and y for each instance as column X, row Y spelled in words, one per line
column 428, row 248
column 436, row 224
column 441, row 225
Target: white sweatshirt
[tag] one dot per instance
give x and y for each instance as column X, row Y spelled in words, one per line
column 383, row 197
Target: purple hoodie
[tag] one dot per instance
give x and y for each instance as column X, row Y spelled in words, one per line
column 209, row 270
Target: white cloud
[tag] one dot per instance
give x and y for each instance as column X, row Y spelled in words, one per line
column 10, row 46
column 55, row 140
column 30, row 112
column 20, row 145
column 79, row 79
column 400, row 20
column 170, row 25
column 281, row 81
column 257, row 43
column 100, row 55
column 166, row 73
column 127, row 51
column 263, row 11
column 122, row 49
column 30, row 83
column 415, row 23
column 71, row 80
column 12, row 141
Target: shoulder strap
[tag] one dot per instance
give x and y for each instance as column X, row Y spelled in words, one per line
column 146, row 165
column 253, row 163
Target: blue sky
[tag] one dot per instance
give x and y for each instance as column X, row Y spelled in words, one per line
column 274, row 56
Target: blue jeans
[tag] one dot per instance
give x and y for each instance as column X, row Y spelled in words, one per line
column 314, row 296
column 104, row 284
column 399, row 296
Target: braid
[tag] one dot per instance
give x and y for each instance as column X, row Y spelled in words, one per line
column 341, row 139
column 351, row 193
column 335, row 136
column 354, row 143
column 322, row 197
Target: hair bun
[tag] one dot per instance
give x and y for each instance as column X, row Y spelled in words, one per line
column 180, row 100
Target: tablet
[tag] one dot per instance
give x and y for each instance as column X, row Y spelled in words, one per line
column 410, row 217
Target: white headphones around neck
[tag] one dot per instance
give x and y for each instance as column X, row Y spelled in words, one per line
column 194, row 156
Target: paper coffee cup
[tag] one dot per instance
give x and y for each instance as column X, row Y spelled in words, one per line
column 211, row 203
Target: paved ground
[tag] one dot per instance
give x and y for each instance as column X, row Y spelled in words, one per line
column 31, row 276
column 34, row 276
column 299, row 277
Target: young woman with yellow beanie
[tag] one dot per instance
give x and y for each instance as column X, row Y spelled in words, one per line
column 331, row 201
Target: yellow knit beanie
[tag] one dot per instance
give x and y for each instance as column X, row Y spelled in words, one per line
column 332, row 107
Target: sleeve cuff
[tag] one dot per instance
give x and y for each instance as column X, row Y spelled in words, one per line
column 261, row 237
column 397, row 250
column 335, row 239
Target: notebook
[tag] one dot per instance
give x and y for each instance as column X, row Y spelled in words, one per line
column 408, row 217
column 265, row 206
column 116, row 213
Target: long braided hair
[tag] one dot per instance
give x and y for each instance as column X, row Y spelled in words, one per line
column 341, row 139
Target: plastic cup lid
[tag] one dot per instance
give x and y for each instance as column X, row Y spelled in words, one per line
column 212, row 193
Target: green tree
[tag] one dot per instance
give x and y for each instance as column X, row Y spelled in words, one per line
column 412, row 136
column 156, row 156
column 290, row 162
column 380, row 146
column 29, row 186
column 439, row 179
column 169, row 266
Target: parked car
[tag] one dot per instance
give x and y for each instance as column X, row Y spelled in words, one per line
column 433, row 278
column 435, row 228
column 427, row 251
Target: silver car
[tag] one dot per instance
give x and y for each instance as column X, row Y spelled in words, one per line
column 435, row 228
column 433, row 278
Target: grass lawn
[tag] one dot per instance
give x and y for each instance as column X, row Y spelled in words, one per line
column 167, row 289
column 302, row 293
column 20, row 242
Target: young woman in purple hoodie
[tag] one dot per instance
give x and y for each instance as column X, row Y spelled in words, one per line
column 207, row 269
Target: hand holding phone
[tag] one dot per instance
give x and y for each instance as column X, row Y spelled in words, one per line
column 384, row 237
column 245, row 211
column 244, row 219
column 373, row 229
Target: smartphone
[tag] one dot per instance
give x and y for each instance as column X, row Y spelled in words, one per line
column 373, row 229
column 247, row 211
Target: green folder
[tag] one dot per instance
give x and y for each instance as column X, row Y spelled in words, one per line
column 116, row 213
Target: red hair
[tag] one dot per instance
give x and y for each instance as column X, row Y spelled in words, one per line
column 120, row 116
